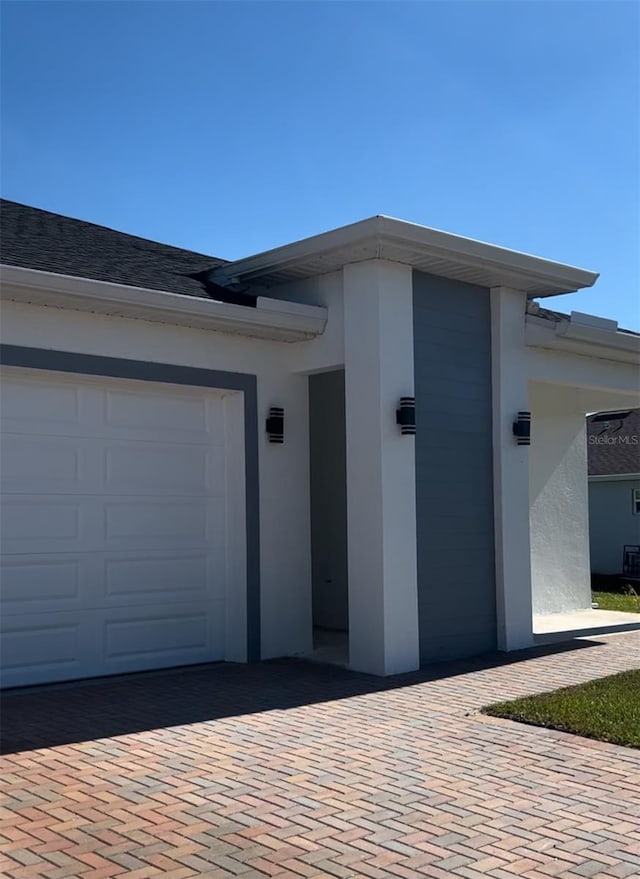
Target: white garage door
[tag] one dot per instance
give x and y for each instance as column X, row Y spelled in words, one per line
column 114, row 526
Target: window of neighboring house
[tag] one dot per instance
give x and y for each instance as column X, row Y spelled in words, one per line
column 635, row 505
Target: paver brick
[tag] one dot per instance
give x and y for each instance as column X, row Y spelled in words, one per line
column 302, row 771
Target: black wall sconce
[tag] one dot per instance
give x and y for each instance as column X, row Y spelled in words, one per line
column 406, row 416
column 522, row 429
column 275, row 425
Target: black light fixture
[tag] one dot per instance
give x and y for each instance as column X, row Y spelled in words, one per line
column 522, row 429
column 275, row 425
column 406, row 416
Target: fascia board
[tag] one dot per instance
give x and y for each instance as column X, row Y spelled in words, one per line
column 269, row 319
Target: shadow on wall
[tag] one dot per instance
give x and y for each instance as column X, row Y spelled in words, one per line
column 45, row 716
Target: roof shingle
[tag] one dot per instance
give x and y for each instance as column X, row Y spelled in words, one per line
column 37, row 239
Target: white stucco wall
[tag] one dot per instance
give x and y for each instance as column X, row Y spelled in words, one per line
column 284, row 470
column 370, row 333
column 326, row 352
column 510, row 471
column 612, row 523
column 560, row 572
column 381, row 481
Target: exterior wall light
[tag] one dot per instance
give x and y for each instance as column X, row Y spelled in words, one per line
column 275, row 425
column 406, row 416
column 522, row 429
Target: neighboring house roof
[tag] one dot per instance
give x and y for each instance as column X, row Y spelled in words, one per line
column 613, row 442
column 37, row 239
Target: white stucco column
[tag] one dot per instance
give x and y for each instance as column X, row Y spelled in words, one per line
column 510, row 471
column 381, row 514
column 560, row 566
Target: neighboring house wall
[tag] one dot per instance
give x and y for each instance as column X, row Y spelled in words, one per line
column 559, row 507
column 285, row 558
column 454, row 484
column 612, row 523
column 328, row 500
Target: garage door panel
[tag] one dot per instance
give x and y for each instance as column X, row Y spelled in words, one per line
column 179, row 417
column 40, row 583
column 37, row 648
column 66, row 405
column 48, row 644
column 79, row 465
column 66, row 524
column 43, row 523
column 149, row 524
column 51, row 524
column 39, row 404
column 160, row 632
column 98, row 580
column 176, row 577
column 45, row 405
column 49, row 465
column 174, row 470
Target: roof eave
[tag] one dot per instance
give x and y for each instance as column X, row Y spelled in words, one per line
column 270, row 319
column 425, row 249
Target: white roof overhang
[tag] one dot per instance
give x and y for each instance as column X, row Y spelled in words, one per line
column 425, row 249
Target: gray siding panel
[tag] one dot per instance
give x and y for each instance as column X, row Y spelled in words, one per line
column 454, row 470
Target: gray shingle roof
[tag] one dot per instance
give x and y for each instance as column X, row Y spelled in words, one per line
column 613, row 446
column 37, row 239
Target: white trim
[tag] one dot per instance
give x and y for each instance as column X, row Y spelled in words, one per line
column 615, row 477
column 426, row 249
column 601, row 382
column 270, row 319
column 235, row 649
column 576, row 335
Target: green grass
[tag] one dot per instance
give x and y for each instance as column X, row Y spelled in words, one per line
column 615, row 601
column 607, row 709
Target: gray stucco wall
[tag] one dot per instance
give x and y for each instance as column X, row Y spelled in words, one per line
column 454, row 470
column 328, row 500
column 611, row 523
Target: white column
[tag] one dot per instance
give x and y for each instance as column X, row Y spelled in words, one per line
column 381, row 505
column 560, row 568
column 510, row 471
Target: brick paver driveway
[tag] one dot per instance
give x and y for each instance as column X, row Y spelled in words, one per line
column 288, row 769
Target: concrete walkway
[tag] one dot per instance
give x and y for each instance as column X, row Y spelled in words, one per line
column 553, row 627
column 293, row 769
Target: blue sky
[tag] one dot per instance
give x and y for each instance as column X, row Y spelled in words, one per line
column 234, row 127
